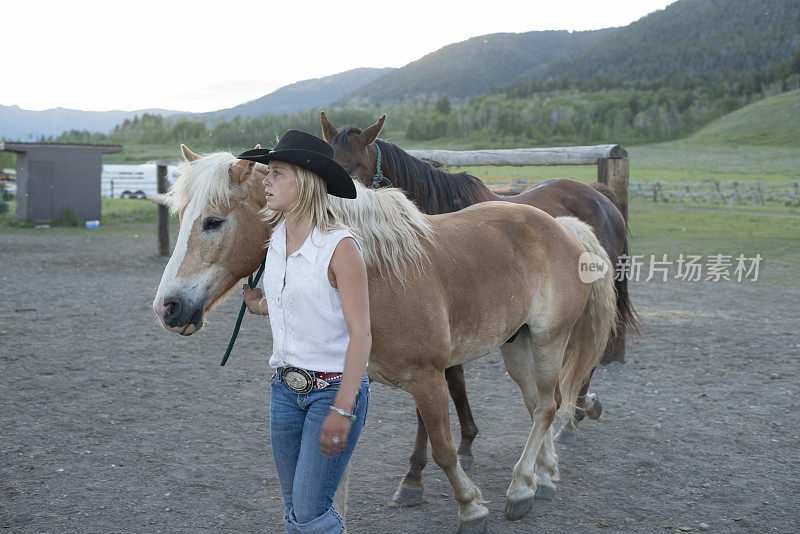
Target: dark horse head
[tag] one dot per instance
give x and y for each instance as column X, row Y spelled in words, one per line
column 434, row 190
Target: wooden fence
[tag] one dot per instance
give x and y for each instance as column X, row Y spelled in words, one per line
column 611, row 160
column 715, row 192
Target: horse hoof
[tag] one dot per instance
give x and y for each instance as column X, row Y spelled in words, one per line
column 595, row 410
column 566, row 436
column 407, row 495
column 545, row 493
column 476, row 526
column 519, row 509
column 466, row 463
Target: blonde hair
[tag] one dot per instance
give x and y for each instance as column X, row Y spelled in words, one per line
column 312, row 198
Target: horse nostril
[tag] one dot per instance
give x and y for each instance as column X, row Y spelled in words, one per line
column 173, row 307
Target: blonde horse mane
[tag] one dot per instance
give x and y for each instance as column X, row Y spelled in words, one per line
column 389, row 228
column 203, row 180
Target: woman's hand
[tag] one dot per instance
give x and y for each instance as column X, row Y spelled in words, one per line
column 335, row 427
column 253, row 300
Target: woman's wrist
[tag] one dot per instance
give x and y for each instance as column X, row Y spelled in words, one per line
column 343, row 413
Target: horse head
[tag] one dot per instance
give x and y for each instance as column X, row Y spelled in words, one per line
column 354, row 149
column 221, row 238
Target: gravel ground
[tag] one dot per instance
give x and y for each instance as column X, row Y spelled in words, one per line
column 110, row 424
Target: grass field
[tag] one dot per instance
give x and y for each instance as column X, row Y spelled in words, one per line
column 678, row 161
column 769, row 122
column 116, row 213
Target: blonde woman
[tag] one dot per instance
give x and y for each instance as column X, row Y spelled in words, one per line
column 315, row 293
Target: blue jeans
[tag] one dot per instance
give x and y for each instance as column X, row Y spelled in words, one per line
column 308, row 478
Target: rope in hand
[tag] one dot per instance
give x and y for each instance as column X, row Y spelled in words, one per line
column 252, row 282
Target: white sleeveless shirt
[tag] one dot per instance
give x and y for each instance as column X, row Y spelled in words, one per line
column 305, row 312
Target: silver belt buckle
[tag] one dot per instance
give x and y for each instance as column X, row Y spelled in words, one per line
column 296, row 379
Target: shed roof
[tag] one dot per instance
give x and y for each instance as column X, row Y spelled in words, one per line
column 25, row 147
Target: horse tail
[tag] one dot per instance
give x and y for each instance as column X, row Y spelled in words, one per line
column 608, row 193
column 596, row 323
column 627, row 318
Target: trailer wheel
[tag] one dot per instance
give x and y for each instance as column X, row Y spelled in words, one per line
column 126, row 194
column 139, row 195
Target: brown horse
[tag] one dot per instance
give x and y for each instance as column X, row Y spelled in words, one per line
column 522, row 267
column 436, row 191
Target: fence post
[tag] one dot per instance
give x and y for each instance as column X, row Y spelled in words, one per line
column 163, row 212
column 614, row 173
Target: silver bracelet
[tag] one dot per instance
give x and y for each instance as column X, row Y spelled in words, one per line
column 260, row 303
column 343, row 413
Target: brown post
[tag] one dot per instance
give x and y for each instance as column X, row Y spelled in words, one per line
column 163, row 212
column 614, row 173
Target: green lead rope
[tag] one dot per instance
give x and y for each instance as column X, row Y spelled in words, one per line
column 252, row 282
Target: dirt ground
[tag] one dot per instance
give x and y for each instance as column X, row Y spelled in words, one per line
column 110, row 424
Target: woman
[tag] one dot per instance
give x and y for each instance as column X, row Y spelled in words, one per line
column 315, row 292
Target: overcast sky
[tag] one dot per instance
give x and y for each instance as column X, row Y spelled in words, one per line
column 200, row 56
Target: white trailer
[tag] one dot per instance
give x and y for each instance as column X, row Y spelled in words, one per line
column 132, row 181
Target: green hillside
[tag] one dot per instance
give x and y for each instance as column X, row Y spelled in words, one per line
column 774, row 121
column 690, row 42
column 473, row 66
column 708, row 39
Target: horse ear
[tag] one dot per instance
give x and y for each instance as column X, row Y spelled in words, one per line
column 241, row 171
column 188, row 154
column 329, row 131
column 369, row 135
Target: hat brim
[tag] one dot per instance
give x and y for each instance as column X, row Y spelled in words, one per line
column 339, row 183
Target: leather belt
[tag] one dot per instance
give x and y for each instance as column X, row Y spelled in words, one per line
column 301, row 381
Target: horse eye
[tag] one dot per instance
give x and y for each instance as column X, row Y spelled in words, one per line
column 212, row 223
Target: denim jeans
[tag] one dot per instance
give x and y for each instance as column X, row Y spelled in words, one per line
column 308, row 478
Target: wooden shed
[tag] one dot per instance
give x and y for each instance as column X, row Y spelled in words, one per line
column 52, row 177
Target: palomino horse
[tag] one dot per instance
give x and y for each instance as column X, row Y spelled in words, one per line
column 521, row 268
column 436, row 191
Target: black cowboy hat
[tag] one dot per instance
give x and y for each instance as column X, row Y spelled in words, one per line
column 309, row 152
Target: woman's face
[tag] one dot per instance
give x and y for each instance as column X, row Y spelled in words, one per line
column 280, row 186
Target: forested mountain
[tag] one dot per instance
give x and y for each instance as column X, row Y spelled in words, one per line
column 473, row 66
column 709, row 39
column 696, row 40
column 306, row 94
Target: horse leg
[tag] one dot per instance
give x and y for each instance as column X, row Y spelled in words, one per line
column 567, row 433
column 535, row 369
column 615, row 350
column 546, row 471
column 430, row 395
column 411, row 487
column 458, row 392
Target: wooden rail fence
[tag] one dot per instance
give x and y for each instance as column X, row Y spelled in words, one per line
column 612, row 162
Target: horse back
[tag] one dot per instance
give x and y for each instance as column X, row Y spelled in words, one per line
column 566, row 197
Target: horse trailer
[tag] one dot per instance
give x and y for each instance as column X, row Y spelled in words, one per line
column 132, row 181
